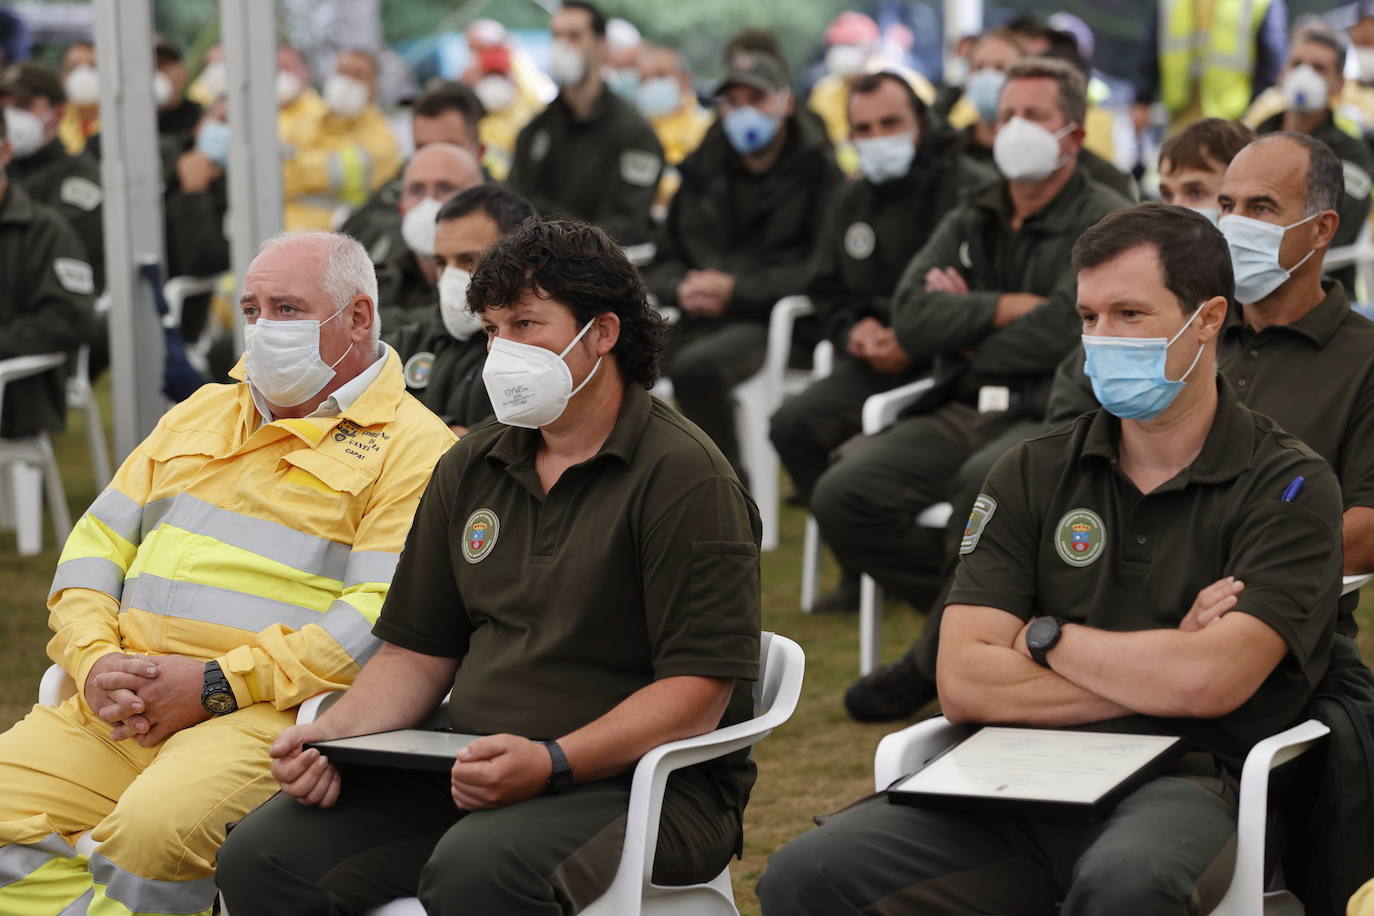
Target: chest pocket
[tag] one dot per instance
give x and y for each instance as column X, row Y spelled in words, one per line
column 180, row 455
column 319, row 494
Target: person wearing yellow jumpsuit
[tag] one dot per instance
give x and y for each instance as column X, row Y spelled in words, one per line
column 336, row 151
column 243, row 548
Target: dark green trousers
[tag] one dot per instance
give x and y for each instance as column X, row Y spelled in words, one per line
column 808, row 428
column 396, row 833
column 1168, row 848
column 706, row 359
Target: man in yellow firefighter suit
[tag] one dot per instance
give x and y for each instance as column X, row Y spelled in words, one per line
column 233, row 568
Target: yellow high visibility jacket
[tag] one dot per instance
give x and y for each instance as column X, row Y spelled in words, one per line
column 74, row 130
column 1207, row 55
column 498, row 130
column 679, row 132
column 830, row 100
column 330, row 161
column 267, row 548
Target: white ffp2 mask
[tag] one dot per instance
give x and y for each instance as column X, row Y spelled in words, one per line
column 284, row 360
column 530, row 386
column 1026, row 151
column 453, row 304
column 418, row 228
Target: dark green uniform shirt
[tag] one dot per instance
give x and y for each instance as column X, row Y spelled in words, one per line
column 445, row 373
column 404, row 296
column 641, row 563
column 977, row 240
column 872, row 231
column 1069, row 535
column 46, row 305
column 1356, row 161
column 762, row 229
column 1314, row 377
column 604, row 169
column 71, row 186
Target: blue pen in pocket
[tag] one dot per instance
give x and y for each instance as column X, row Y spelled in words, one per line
column 1291, row 491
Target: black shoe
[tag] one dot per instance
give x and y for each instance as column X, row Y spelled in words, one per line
column 892, row 692
column 843, row 600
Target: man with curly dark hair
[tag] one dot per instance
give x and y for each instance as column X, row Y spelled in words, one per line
column 584, row 575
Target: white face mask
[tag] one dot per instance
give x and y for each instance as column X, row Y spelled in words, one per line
column 530, row 386
column 1026, row 151
column 288, row 86
column 345, row 96
column 885, row 159
column 453, row 304
column 214, row 80
column 1212, row 213
column 1254, row 248
column 162, row 90
column 956, row 71
column 567, row 66
column 284, row 359
column 1304, row 90
column 417, row 227
column 495, row 92
column 25, row 130
column 82, row 86
column 846, row 60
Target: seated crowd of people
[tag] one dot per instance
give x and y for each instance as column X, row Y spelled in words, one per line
column 446, row 466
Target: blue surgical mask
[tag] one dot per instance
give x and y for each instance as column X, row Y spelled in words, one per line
column 749, row 130
column 658, row 96
column 212, row 141
column 1254, row 248
column 1128, row 373
column 982, row 89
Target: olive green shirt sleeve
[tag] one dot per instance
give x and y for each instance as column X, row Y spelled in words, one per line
column 1036, row 342
column 1000, row 550
column 423, row 611
column 624, row 212
column 929, row 324
column 700, row 569
column 60, row 315
column 1355, row 469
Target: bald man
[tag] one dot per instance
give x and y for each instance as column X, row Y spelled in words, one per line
column 406, row 279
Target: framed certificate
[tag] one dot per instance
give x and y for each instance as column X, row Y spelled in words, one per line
column 1072, row 774
column 406, row 748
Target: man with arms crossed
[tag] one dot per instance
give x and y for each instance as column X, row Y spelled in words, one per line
column 584, row 575
column 1166, row 564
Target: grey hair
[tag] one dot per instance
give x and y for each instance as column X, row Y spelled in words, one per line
column 1325, row 178
column 348, row 271
column 1073, row 89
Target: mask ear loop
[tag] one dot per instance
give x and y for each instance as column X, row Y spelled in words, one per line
column 350, row 343
column 568, row 349
column 1186, row 325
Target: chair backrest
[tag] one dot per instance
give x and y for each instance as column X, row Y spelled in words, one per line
column 781, row 665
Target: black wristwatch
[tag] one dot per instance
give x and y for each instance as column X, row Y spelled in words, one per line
column 1042, row 636
column 216, row 696
column 562, row 775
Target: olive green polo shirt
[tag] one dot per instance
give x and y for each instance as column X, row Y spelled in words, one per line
column 1060, row 530
column 1315, row 377
column 640, row 563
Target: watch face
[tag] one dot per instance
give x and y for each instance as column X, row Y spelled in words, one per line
column 217, row 704
column 1042, row 633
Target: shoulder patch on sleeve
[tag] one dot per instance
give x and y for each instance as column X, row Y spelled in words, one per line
column 640, row 168
column 978, row 519
column 75, row 276
column 1357, row 180
column 80, row 192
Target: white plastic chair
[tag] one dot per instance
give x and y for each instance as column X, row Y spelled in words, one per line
column 80, row 397
column 907, row 750
column 31, row 467
column 177, row 290
column 633, row 892
column 1359, row 253
column 1355, row 583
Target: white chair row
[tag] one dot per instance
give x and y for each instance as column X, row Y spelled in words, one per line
column 31, row 475
column 781, row 667
column 1360, row 255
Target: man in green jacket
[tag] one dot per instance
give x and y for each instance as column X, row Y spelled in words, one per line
column 46, row 293
column 912, row 176
column 990, row 301
column 739, row 236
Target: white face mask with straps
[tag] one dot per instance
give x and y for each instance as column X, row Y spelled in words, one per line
column 284, row 361
column 530, row 386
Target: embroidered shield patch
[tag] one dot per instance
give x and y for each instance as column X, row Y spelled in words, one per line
column 978, row 519
column 479, row 535
column 417, row 370
column 1080, row 537
column 860, row 240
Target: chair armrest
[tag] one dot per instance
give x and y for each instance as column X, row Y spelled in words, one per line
column 56, row 686
column 178, row 289
column 905, row 751
column 18, row 367
column 311, row 709
column 1355, row 583
column 780, row 325
column 881, row 410
column 1245, row 896
column 822, row 360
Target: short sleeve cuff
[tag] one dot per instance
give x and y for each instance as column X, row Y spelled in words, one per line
column 985, row 598
column 416, row 642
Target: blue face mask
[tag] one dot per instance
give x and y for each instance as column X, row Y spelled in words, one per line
column 212, row 141
column 749, row 130
column 1128, row 373
column 982, row 89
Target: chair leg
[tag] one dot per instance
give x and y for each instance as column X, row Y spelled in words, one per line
column 100, row 449
column 26, row 483
column 56, row 495
column 811, row 565
column 870, row 623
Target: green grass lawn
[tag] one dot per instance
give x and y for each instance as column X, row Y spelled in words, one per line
column 816, row 763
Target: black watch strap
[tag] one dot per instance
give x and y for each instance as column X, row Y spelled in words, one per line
column 216, row 696
column 562, row 775
column 1043, row 637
